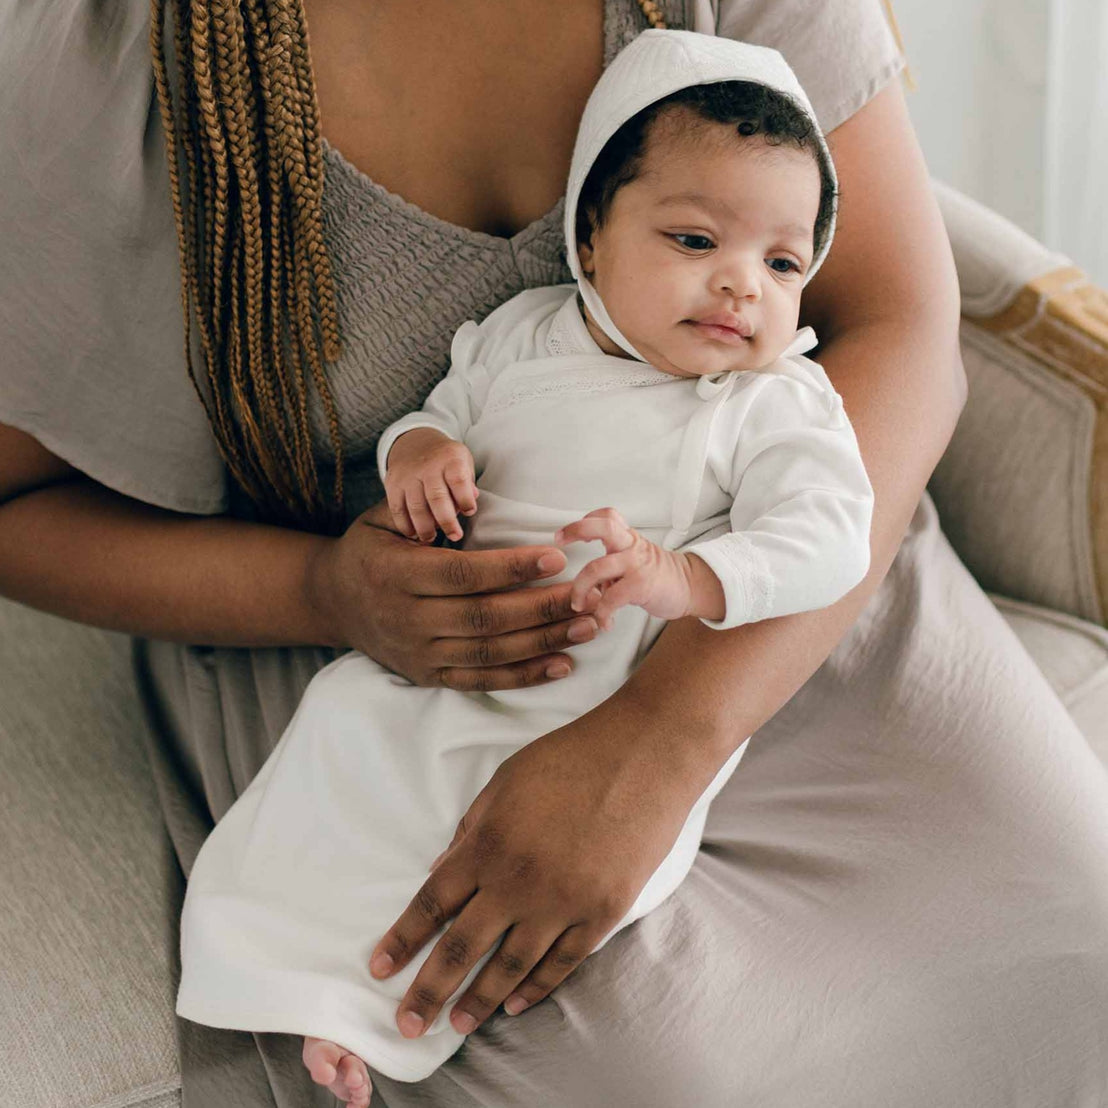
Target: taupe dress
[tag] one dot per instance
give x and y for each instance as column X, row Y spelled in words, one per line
column 902, row 896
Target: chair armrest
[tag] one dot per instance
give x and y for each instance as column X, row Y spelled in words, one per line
column 1022, row 490
column 90, row 890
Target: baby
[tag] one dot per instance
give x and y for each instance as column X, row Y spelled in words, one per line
column 668, row 382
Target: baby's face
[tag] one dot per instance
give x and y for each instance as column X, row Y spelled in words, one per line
column 713, row 227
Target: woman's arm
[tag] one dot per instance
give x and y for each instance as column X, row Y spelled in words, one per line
column 887, row 306
column 71, row 546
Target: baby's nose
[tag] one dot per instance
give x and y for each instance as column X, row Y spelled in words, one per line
column 742, row 279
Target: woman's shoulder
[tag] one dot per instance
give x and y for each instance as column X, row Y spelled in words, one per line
column 842, row 51
column 90, row 301
column 76, row 85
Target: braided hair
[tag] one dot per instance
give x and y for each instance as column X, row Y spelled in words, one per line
column 244, row 151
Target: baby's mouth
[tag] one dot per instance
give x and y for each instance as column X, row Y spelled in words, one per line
column 720, row 333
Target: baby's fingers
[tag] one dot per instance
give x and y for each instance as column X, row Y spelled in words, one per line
column 612, row 531
column 422, row 518
column 441, row 503
column 460, row 480
column 398, row 509
column 596, row 573
column 627, row 590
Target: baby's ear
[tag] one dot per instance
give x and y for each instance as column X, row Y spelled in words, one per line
column 585, row 227
column 585, row 257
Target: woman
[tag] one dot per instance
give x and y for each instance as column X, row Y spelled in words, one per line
column 866, row 923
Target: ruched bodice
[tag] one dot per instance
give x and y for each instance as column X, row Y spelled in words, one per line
column 405, row 280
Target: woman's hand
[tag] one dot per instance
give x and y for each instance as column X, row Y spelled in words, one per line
column 664, row 583
column 437, row 616
column 554, row 851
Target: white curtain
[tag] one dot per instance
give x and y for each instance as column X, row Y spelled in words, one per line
column 1011, row 107
column 1075, row 177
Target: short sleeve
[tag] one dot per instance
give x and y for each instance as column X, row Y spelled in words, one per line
column 842, row 51
column 92, row 360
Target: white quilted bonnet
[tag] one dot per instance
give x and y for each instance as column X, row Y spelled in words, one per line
column 653, row 65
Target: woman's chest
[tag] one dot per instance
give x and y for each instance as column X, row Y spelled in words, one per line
column 441, row 103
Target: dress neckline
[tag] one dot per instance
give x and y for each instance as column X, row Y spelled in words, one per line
column 420, row 215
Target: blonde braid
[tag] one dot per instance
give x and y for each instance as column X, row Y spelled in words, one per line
column 289, row 41
column 253, row 165
column 293, row 397
column 653, row 13
column 232, row 73
column 321, row 263
column 209, row 162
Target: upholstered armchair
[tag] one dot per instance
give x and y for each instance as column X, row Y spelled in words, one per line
column 89, row 890
column 1022, row 490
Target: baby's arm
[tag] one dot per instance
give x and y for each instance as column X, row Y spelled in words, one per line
column 802, row 508
column 665, row 583
column 427, row 471
column 800, row 523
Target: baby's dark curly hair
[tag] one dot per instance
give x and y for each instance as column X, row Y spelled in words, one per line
column 755, row 110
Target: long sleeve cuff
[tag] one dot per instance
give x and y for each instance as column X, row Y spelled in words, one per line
column 401, row 427
column 746, row 578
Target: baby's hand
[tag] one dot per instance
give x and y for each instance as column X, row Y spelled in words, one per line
column 429, row 478
column 634, row 571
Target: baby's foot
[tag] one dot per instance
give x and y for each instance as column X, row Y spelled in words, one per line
column 343, row 1073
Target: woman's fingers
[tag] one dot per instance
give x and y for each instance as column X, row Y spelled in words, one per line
column 486, row 615
column 530, row 961
column 444, row 893
column 460, row 573
column 522, row 960
column 560, row 961
column 469, row 938
column 514, row 675
column 483, row 642
column 515, row 646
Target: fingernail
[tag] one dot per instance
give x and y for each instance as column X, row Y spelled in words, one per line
column 514, row 1005
column 465, row 1023
column 411, row 1025
column 381, row 965
column 548, row 563
column 557, row 669
column 580, row 630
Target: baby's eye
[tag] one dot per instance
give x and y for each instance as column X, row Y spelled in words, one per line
column 788, row 265
column 700, row 242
